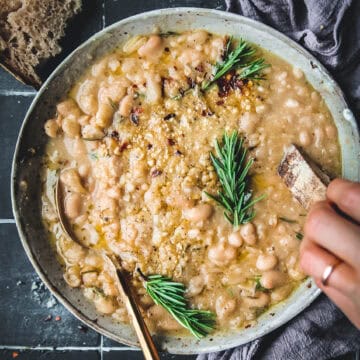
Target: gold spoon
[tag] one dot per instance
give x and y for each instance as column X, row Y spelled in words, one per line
column 146, row 342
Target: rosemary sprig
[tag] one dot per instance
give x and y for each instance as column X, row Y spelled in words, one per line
column 241, row 59
column 171, row 296
column 232, row 170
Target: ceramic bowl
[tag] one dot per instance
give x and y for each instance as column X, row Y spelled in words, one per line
column 26, row 188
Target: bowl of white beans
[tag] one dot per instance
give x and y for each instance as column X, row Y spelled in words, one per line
column 129, row 121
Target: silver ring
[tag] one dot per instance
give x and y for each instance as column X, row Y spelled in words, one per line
column 328, row 271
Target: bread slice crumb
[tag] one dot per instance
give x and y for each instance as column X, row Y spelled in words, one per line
column 303, row 177
column 29, row 34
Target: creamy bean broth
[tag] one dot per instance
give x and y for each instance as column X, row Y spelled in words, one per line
column 131, row 142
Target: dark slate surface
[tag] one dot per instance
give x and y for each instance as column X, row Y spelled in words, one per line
column 28, row 326
column 12, row 112
column 116, row 10
column 9, row 83
column 28, row 313
column 50, row 355
column 134, row 355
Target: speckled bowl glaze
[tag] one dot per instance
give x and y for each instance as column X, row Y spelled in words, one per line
column 26, row 184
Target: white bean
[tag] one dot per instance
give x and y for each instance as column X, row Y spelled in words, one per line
column 221, row 254
column 86, row 97
column 198, row 213
column 84, row 170
column 134, row 43
column 281, row 293
column 315, row 97
column 99, row 68
column 68, row 107
column 71, row 127
column 104, row 115
column 84, row 120
column 248, row 122
column 260, row 300
column 190, row 57
column 126, row 105
column 235, row 276
column 74, row 253
column 248, row 233
column 198, row 37
column 105, row 305
column 113, row 92
column 93, row 260
column 72, row 276
column 153, row 88
column 296, row 274
column 266, row 262
column 224, row 307
column 92, row 132
column 51, row 128
column 179, row 200
column 130, row 65
column 272, row 278
column 71, row 178
column 304, row 138
column 319, row 136
column 331, row 131
column 110, row 289
column 153, row 48
column 235, row 239
column 73, row 205
column 196, row 286
column 90, row 278
column 113, row 64
column 298, row 74
column 291, row 103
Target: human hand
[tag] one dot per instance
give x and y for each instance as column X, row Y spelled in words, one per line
column 332, row 234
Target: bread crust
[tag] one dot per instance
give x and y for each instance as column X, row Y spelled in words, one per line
column 306, row 181
column 29, row 34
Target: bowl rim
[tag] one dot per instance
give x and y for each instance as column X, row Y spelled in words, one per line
column 315, row 292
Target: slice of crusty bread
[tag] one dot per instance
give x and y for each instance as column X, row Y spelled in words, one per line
column 306, row 181
column 29, row 33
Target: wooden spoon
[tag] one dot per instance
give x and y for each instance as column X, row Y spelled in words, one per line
column 146, row 342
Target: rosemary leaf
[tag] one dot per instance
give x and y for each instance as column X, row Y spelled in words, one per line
column 232, row 170
column 171, row 296
column 299, row 235
column 258, row 286
column 285, row 219
column 93, row 156
column 242, row 59
column 112, row 104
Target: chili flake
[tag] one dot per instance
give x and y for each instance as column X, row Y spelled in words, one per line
column 155, row 173
column 169, row 116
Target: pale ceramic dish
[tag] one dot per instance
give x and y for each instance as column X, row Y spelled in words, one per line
column 26, row 189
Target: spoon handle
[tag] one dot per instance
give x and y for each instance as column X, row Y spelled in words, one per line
column 146, row 342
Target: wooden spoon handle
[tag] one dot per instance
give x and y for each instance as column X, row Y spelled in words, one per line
column 146, row 342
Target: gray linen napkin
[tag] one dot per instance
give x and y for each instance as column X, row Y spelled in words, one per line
column 330, row 29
